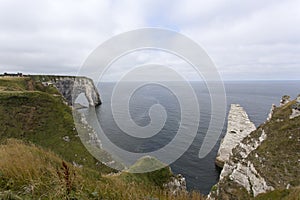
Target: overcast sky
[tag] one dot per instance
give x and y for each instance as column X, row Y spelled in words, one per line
column 246, row 39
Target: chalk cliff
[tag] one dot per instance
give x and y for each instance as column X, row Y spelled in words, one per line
column 267, row 159
column 71, row 87
column 239, row 126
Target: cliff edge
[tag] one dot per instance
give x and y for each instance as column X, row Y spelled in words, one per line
column 266, row 163
column 71, row 87
column 42, row 155
column 239, row 126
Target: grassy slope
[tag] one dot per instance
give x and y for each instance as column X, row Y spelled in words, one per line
column 281, row 194
column 158, row 177
column 28, row 171
column 281, row 150
column 36, row 114
column 277, row 160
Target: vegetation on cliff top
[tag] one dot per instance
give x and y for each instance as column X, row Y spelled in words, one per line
column 30, row 172
column 279, row 155
column 39, row 163
column 277, row 159
column 33, row 112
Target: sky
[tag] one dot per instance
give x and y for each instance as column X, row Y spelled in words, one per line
column 247, row 40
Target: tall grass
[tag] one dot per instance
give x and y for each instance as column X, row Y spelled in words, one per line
column 27, row 171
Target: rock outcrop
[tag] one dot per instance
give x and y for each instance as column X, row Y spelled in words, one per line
column 239, row 126
column 72, row 87
column 271, row 112
column 237, row 168
column 284, row 100
column 242, row 171
column 176, row 185
column 267, row 159
column 296, row 109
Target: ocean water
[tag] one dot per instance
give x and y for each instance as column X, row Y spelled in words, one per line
column 201, row 174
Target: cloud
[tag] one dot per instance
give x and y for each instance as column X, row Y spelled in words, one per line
column 131, row 61
column 246, row 39
column 50, row 36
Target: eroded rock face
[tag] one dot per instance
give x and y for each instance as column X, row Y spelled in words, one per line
column 72, row 87
column 239, row 126
column 295, row 113
column 237, row 168
column 284, row 100
column 271, row 112
column 265, row 160
column 176, row 184
column 242, row 171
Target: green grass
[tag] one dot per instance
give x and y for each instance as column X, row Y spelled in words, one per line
column 17, row 84
column 14, row 84
column 283, row 194
column 31, row 172
column 276, row 159
column 27, row 170
column 158, row 177
column 37, row 163
column 145, row 164
column 44, row 119
column 281, row 165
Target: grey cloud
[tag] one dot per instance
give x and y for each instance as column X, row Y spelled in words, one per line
column 247, row 39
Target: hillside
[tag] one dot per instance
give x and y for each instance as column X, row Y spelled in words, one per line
column 266, row 164
column 30, row 172
column 36, row 113
column 43, row 157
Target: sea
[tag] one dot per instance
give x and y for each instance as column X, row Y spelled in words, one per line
column 256, row 97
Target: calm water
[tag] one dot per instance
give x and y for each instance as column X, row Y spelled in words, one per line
column 201, row 174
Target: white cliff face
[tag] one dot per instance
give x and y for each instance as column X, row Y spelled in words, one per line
column 176, row 184
column 238, row 168
column 242, row 171
column 92, row 138
column 247, row 176
column 295, row 113
column 296, row 109
column 271, row 112
column 72, row 87
column 284, row 100
column 239, row 126
column 255, row 165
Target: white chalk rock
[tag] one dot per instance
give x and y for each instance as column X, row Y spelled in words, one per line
column 239, row 126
